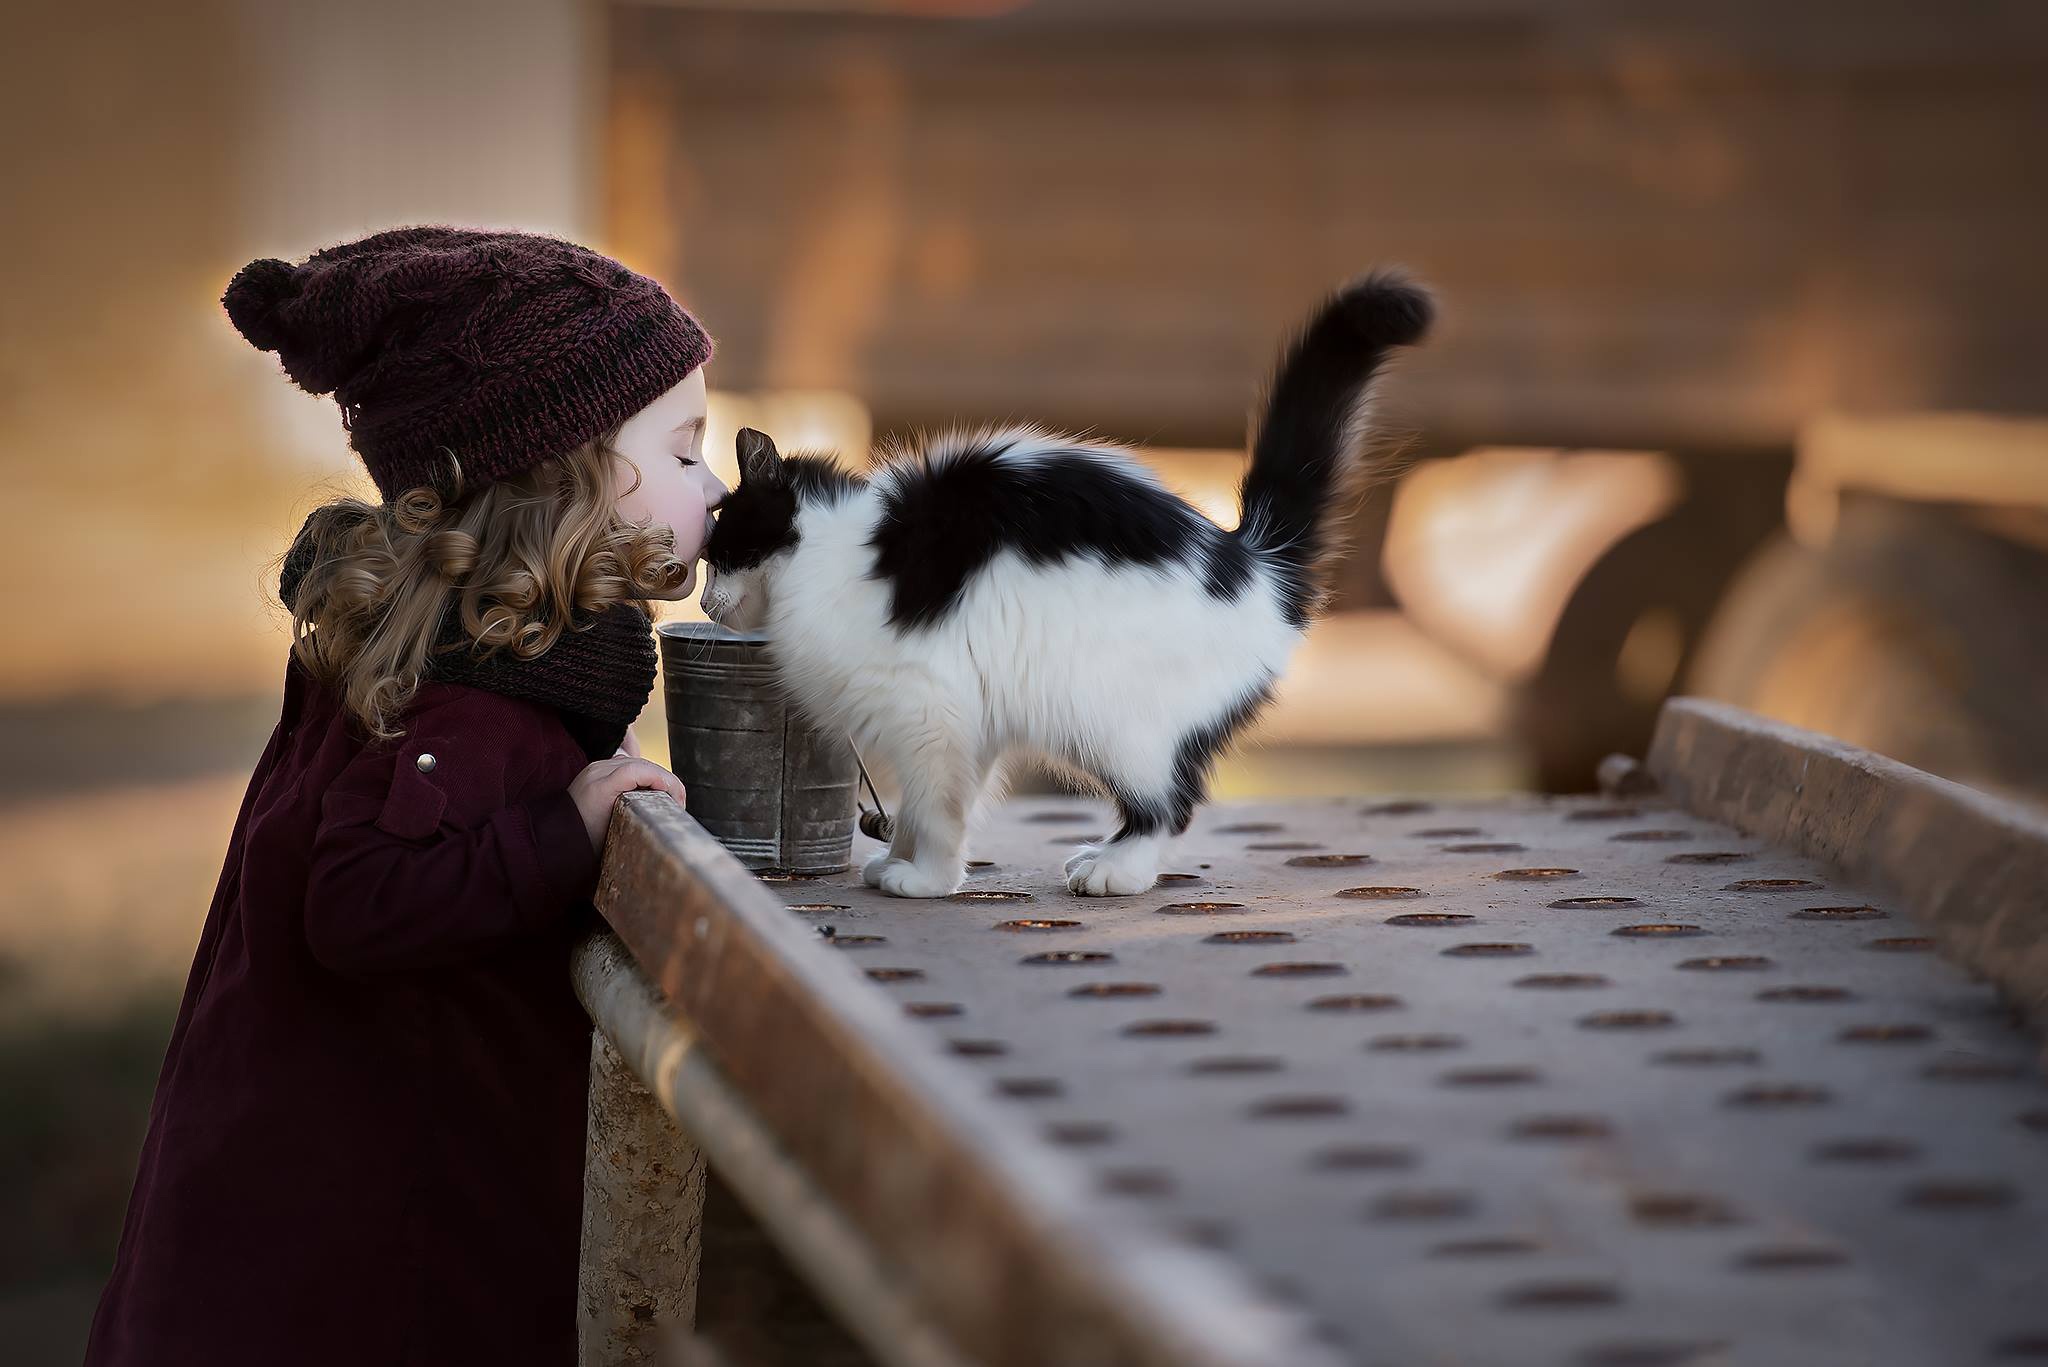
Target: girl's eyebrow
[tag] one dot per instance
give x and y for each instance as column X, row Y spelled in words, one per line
column 687, row 424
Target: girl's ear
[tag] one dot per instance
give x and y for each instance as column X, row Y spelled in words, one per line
column 760, row 462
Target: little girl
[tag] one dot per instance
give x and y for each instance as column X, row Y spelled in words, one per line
column 366, row 1146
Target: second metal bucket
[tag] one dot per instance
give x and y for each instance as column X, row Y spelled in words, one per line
column 774, row 791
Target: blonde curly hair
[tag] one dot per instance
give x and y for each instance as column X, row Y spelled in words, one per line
column 521, row 558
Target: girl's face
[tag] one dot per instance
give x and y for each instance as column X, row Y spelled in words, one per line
column 665, row 443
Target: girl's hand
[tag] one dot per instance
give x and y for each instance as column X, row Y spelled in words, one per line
column 599, row 785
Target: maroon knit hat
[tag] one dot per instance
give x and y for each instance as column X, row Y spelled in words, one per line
column 505, row 349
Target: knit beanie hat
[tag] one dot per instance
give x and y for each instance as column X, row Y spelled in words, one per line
column 500, row 349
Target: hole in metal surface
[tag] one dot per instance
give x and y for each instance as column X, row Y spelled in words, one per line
column 1091, row 838
column 1059, row 818
column 1706, row 857
column 1975, row 1070
column 1114, row 990
column 1838, row 914
column 1902, row 944
column 1250, row 828
column 1377, row 894
column 1778, row 1096
column 1707, row 1058
column 1038, row 924
column 1432, row 918
column 1405, row 807
column 1143, row 1182
column 1866, row 1151
column 1789, row 1258
column 1208, row 1233
column 1030, row 1088
column 931, row 1010
column 1068, row 956
column 1237, row 1063
column 1772, row 885
column 1628, row 1020
column 978, row 1048
column 1145, row 1029
column 1495, row 1246
column 1665, row 930
column 794, row 875
column 1671, row 1210
column 1327, row 861
column 1594, row 903
column 1356, row 1001
column 1512, row 1076
column 1182, row 878
column 1805, row 992
column 1653, row 1353
column 2033, row 1120
column 1535, row 875
column 981, row 865
column 1318, row 1106
column 1604, row 814
column 1560, row 1127
column 1885, row 1034
column 809, row 908
column 1446, row 832
column 1079, row 1132
column 1650, row 837
column 1490, row 949
column 896, row 975
column 1300, row 970
column 1250, row 937
column 1960, row 1193
column 1362, row 1158
column 2027, row 1346
column 858, row 941
column 1274, row 846
column 1483, row 847
column 1560, row 1295
column 1200, row 908
column 1413, row 1044
column 1420, row 1204
column 1564, row 981
column 990, row 895
column 1726, row 963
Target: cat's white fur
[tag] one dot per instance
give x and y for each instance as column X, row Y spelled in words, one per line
column 1101, row 668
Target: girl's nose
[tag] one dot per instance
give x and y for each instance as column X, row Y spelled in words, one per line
column 715, row 495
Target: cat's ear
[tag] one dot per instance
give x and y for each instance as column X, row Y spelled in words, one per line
column 760, row 462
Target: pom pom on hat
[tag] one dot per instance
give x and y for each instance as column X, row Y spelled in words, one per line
column 254, row 296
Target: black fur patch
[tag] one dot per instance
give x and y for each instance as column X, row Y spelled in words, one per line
column 941, row 524
column 1146, row 813
column 758, row 519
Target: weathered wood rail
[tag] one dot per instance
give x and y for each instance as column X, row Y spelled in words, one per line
column 1709, row 1101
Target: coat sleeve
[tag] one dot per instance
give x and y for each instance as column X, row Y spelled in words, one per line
column 427, row 853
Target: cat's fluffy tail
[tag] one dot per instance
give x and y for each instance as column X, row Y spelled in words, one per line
column 1308, row 443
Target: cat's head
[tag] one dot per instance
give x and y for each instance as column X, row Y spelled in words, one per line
column 756, row 524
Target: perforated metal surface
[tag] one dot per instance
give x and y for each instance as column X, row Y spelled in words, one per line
column 1517, row 1082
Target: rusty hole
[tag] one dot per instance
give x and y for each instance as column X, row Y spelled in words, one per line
column 1594, row 903
column 1420, row 1204
column 809, row 908
column 1511, row 1076
column 1628, row 1020
column 1302, row 969
column 1431, row 918
column 1654, row 1353
column 1560, row 1295
column 2021, row 1346
column 1805, row 992
column 1302, row 1107
column 1604, row 814
column 1275, row 846
column 1446, row 832
column 1250, row 828
column 1706, row 857
column 1362, row 1158
column 1092, row 838
column 794, row 875
column 1142, row 1182
column 1038, row 924
column 1483, row 847
column 990, row 895
column 1495, row 1246
column 896, row 975
column 1865, row 1151
column 1170, row 1027
column 1400, row 808
column 1377, row 894
column 1902, row 944
column 1535, row 875
column 1772, row 885
column 1960, row 1193
column 1777, row 1096
column 1208, row 1233
column 1560, row 1127
column 1658, row 930
column 1356, row 1001
column 1789, row 1258
column 1328, row 861
column 1114, row 990
column 931, row 1010
column 978, row 1048
column 1030, row 1088
column 1061, row 818
column 2033, row 1120
column 1181, row 878
column 1490, row 949
column 1079, row 1132
column 1413, row 1044
column 1200, row 908
column 1564, row 981
column 1838, row 914
column 1237, row 1063
column 1650, row 837
column 1726, row 963
column 1069, row 956
column 1707, row 1058
column 858, row 941
column 1250, row 937
column 981, row 865
column 1885, row 1034
column 1680, row 1210
column 1974, row 1070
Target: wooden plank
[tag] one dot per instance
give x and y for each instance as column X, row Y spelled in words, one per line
column 1973, row 866
column 1002, row 1246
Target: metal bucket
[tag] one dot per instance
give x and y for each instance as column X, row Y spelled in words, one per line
column 775, row 792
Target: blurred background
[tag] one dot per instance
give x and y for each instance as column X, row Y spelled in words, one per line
column 1742, row 385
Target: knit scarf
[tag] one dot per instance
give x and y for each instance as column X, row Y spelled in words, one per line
column 597, row 675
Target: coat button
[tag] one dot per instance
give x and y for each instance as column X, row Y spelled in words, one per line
column 425, row 763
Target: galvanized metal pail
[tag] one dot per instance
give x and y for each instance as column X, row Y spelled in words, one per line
column 775, row 792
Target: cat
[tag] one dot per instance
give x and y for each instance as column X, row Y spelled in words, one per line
column 1010, row 591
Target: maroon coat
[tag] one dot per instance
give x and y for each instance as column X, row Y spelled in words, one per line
column 367, row 1141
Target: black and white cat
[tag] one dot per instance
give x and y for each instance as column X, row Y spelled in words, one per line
column 1014, row 592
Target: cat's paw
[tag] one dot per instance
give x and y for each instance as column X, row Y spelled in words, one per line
column 1112, row 871
column 1082, row 855
column 908, row 880
column 871, row 872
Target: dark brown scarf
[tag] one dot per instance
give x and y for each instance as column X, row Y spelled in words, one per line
column 597, row 675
